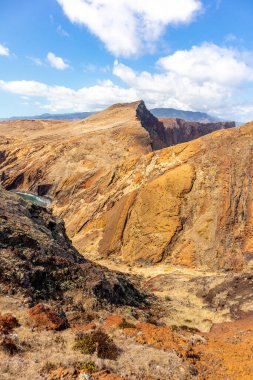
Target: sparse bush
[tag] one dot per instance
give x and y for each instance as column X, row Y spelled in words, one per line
column 126, row 325
column 97, row 341
column 89, row 366
column 85, row 344
column 9, row 346
column 106, row 348
column 8, row 323
column 48, row 366
column 192, row 330
column 60, row 341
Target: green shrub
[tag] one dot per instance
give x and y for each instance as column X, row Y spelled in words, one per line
column 126, row 325
column 97, row 341
column 85, row 344
column 89, row 366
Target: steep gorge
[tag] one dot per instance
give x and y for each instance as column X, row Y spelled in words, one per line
column 122, row 197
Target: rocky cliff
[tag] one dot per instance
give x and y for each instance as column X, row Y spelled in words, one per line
column 192, row 205
column 165, row 132
column 178, row 130
column 38, row 260
column 189, row 204
column 187, row 208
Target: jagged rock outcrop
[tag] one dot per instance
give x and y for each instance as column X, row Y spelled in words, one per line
column 189, row 204
column 178, row 131
column 192, row 206
column 66, row 160
column 38, row 260
column 165, row 132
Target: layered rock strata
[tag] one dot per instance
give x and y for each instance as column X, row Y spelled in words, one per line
column 189, row 204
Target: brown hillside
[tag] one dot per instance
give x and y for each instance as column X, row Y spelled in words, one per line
column 189, row 204
column 192, row 205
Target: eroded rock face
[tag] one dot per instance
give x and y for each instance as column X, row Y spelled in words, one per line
column 67, row 160
column 155, row 215
column 178, row 131
column 38, row 260
column 190, row 204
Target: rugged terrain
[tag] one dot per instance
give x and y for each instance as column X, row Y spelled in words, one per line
column 73, row 327
column 158, row 112
column 39, row 262
column 180, row 131
column 119, row 198
column 176, row 220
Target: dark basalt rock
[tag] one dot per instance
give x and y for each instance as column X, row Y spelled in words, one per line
column 165, row 132
column 38, row 260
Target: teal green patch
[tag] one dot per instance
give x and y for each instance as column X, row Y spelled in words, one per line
column 35, row 199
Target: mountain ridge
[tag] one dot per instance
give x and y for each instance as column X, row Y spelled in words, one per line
column 49, row 116
column 175, row 222
column 113, row 158
column 185, row 115
column 157, row 112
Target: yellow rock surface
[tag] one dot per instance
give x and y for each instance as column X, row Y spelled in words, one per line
column 154, row 217
column 190, row 204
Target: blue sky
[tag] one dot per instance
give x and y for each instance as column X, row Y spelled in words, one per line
column 83, row 55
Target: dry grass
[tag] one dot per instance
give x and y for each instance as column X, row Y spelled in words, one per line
column 43, row 351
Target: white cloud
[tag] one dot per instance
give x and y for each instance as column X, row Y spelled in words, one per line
column 208, row 62
column 57, row 62
column 205, row 78
column 128, row 27
column 91, row 67
column 59, row 98
column 4, row 50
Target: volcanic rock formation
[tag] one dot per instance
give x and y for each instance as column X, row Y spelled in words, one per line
column 178, row 130
column 192, row 205
column 187, row 207
column 38, row 260
column 189, row 204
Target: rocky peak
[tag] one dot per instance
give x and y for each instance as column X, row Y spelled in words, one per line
column 165, row 132
column 153, row 126
column 178, row 130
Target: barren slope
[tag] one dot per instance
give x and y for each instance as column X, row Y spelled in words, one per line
column 189, row 204
column 188, row 207
column 65, row 159
column 38, row 261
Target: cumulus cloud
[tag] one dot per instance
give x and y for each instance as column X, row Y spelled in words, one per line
column 59, row 98
column 4, row 51
column 57, row 62
column 208, row 62
column 204, row 78
column 128, row 27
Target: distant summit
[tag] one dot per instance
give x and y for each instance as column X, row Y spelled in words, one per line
column 49, row 116
column 186, row 115
column 158, row 112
